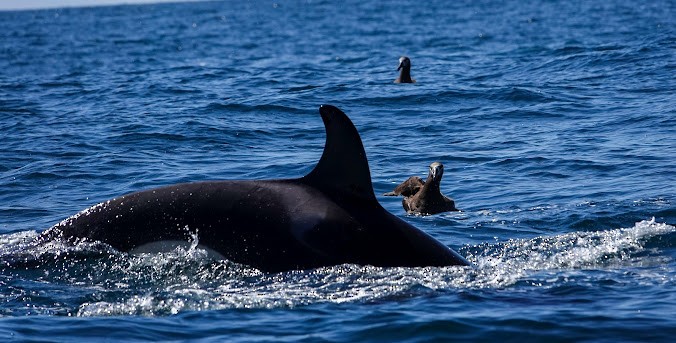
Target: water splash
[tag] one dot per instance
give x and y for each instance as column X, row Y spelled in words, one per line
column 188, row 279
column 510, row 261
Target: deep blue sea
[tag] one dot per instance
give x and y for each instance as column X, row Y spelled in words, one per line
column 555, row 120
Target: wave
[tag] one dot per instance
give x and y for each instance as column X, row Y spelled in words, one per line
column 511, row 260
column 266, row 108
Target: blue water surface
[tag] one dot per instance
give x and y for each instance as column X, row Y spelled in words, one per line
column 556, row 122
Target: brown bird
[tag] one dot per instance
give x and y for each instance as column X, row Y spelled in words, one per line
column 404, row 71
column 424, row 197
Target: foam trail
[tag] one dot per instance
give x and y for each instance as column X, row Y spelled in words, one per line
column 514, row 259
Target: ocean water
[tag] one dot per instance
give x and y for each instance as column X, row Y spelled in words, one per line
column 556, row 122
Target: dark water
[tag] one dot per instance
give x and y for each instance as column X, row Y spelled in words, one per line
column 556, row 121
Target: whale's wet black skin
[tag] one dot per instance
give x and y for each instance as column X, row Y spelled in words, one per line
column 328, row 217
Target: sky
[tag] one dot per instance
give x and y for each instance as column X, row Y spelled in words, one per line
column 34, row 4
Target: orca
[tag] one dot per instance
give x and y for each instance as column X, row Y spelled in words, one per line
column 325, row 218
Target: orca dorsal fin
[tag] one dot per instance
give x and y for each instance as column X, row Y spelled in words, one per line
column 343, row 167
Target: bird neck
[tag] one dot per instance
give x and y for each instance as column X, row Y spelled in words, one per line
column 405, row 75
column 431, row 186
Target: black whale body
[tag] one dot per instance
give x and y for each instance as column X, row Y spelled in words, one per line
column 328, row 217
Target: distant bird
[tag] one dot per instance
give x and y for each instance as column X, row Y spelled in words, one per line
column 424, row 197
column 404, row 71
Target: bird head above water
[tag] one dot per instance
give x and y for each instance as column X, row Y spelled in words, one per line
column 404, row 62
column 436, row 171
column 404, row 71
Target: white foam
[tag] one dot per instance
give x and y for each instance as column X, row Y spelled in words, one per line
column 186, row 277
